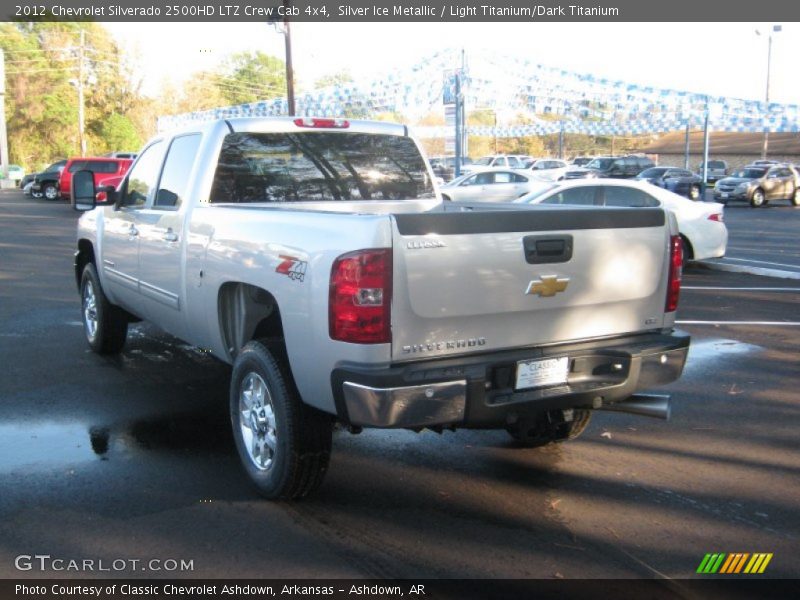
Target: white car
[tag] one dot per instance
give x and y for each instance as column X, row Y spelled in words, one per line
column 700, row 223
column 505, row 161
column 549, row 169
column 490, row 185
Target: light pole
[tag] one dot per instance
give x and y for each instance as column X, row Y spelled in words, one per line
column 773, row 29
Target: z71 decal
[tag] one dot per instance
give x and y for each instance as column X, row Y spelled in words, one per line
column 292, row 267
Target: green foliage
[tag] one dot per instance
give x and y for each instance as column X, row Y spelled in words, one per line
column 251, row 76
column 42, row 71
column 119, row 133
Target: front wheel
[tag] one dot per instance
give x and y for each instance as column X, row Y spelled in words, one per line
column 796, row 197
column 757, row 199
column 284, row 444
column 105, row 325
column 50, row 191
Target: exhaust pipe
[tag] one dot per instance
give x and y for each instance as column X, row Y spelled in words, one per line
column 645, row 405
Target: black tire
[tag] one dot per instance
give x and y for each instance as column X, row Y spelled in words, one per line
column 105, row 325
column 687, row 252
column 549, row 427
column 50, row 191
column 284, row 445
column 758, row 198
column 694, row 192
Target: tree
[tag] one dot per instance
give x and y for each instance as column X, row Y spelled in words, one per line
column 43, row 68
column 119, row 133
column 249, row 77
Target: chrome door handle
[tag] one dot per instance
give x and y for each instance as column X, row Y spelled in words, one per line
column 170, row 236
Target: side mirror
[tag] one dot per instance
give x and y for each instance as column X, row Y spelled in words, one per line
column 107, row 195
column 82, row 192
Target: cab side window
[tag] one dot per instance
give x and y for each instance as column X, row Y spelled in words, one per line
column 143, row 176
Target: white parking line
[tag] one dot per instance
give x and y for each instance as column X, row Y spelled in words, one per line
column 758, row 323
column 740, row 289
column 762, row 262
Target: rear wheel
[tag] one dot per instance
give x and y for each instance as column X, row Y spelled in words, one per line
column 284, row 444
column 549, row 427
column 758, row 198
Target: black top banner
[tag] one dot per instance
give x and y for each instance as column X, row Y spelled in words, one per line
column 400, row 10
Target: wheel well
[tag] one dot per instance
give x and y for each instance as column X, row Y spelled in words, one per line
column 84, row 257
column 247, row 312
column 688, row 245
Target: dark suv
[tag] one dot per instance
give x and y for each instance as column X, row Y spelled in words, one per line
column 618, row 167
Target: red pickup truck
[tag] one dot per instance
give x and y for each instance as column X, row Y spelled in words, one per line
column 103, row 168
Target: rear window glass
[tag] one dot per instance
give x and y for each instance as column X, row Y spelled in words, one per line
column 313, row 166
column 96, row 166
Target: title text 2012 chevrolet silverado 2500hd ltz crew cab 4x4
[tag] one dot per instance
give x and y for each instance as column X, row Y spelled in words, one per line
column 316, row 257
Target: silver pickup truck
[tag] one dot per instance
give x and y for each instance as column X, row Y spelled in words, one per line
column 316, row 257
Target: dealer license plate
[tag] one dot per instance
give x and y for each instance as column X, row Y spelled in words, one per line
column 541, row 373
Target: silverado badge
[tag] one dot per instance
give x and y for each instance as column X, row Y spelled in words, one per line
column 547, row 285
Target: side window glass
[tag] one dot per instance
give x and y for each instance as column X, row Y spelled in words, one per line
column 583, row 196
column 503, row 177
column 512, row 161
column 629, row 197
column 484, row 179
column 177, row 167
column 142, row 177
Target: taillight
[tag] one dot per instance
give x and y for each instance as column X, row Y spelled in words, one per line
column 359, row 309
column 675, row 272
column 329, row 123
column 715, row 217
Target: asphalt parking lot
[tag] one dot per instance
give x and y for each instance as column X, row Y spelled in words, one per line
column 131, row 457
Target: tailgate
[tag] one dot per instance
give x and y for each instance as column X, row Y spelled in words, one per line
column 468, row 282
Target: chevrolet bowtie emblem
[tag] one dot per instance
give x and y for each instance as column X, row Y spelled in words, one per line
column 548, row 285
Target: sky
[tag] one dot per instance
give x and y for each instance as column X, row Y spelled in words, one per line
column 721, row 59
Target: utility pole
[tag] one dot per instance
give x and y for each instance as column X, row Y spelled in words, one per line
column 3, row 135
column 773, row 29
column 81, row 77
column 289, row 71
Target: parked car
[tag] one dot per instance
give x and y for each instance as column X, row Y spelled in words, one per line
column 764, row 163
column 16, row 174
column 51, row 172
column 701, row 226
column 445, row 166
column 103, row 167
column 490, row 185
column 581, row 161
column 618, row 167
column 548, row 169
column 676, row 180
column 717, row 169
column 130, row 155
column 760, row 184
column 495, row 160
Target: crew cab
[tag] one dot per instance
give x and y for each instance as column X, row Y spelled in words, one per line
column 317, row 257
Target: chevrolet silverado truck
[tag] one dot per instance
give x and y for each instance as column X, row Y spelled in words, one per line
column 317, row 258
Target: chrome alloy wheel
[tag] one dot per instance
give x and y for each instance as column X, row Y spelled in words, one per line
column 89, row 310
column 257, row 421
